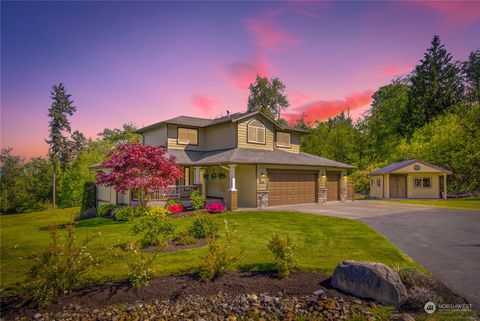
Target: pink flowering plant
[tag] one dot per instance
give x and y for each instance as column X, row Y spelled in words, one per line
column 175, row 208
column 215, row 207
column 140, row 168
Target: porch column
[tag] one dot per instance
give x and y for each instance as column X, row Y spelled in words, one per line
column 187, row 176
column 445, row 186
column 198, row 180
column 232, row 201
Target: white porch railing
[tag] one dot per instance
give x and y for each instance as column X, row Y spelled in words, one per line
column 173, row 192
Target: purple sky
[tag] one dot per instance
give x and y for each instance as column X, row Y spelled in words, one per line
column 144, row 62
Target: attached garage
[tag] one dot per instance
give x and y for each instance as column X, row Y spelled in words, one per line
column 333, row 186
column 286, row 187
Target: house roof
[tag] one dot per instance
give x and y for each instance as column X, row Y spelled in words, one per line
column 398, row 165
column 251, row 156
column 206, row 122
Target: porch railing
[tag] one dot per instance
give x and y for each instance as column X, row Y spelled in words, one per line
column 173, row 192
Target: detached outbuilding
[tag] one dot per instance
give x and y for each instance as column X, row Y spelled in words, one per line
column 409, row 179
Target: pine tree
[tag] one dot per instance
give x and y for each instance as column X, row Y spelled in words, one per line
column 61, row 108
column 435, row 87
column 471, row 72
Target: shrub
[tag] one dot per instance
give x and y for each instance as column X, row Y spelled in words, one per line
column 197, row 200
column 155, row 224
column 186, row 239
column 203, row 227
column 139, row 267
column 282, row 250
column 215, row 207
column 106, row 209
column 58, row 268
column 88, row 196
column 129, row 213
column 175, row 209
column 172, row 202
column 219, row 256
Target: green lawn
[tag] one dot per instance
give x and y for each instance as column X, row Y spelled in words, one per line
column 322, row 242
column 469, row 203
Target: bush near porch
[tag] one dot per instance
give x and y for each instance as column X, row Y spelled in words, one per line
column 321, row 243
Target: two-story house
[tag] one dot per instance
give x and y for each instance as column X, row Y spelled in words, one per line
column 245, row 159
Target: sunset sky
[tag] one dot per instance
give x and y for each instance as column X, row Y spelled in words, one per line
column 143, row 62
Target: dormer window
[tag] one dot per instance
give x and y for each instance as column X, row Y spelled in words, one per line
column 284, row 139
column 256, row 132
column 187, row 136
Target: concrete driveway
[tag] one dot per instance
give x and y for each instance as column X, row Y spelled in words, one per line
column 445, row 241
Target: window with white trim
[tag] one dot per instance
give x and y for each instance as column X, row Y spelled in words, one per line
column 187, row 136
column 284, row 139
column 256, row 132
column 379, row 182
column 422, row 182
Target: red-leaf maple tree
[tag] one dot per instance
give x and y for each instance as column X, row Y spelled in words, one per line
column 139, row 168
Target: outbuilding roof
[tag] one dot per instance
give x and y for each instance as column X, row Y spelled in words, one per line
column 206, row 122
column 398, row 165
column 251, row 156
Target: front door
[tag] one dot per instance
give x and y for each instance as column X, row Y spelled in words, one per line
column 398, row 186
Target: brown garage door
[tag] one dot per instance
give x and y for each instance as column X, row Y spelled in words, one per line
column 333, row 186
column 398, row 186
column 291, row 187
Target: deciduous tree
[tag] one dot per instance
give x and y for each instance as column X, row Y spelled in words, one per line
column 268, row 96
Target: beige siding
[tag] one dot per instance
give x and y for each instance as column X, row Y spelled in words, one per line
column 220, row 137
column 432, row 192
column 245, row 184
column 172, row 139
column 123, row 198
column 242, row 135
column 156, row 137
column 376, row 191
column 295, row 144
column 106, row 195
column 411, row 168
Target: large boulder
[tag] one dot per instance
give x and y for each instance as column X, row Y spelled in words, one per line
column 370, row 280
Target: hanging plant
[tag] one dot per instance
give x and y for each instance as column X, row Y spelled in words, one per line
column 214, row 174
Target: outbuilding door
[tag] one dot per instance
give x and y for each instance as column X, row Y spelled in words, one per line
column 333, row 186
column 398, row 186
column 287, row 187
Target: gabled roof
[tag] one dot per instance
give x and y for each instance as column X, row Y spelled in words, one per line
column 206, row 122
column 398, row 165
column 251, row 156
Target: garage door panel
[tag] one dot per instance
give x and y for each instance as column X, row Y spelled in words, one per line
column 333, row 186
column 291, row 187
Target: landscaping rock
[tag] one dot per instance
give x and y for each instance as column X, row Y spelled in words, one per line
column 402, row 317
column 370, row 280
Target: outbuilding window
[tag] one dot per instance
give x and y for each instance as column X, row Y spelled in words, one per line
column 379, row 182
column 423, row 182
column 256, row 132
column 187, row 136
column 283, row 139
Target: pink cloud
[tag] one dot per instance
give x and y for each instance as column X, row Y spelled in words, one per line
column 456, row 13
column 323, row 109
column 242, row 74
column 296, row 97
column 205, row 103
column 395, row 70
column 266, row 35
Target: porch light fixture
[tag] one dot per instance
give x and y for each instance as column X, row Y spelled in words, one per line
column 263, row 176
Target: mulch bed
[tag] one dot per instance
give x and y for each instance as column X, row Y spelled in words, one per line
column 174, row 247
column 179, row 287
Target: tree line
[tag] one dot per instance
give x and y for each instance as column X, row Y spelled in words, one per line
column 432, row 114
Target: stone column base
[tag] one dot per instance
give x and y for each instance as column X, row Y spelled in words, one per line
column 262, row 199
column 232, row 200
column 322, row 195
column 343, row 194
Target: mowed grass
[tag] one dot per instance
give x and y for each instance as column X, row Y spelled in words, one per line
column 321, row 243
column 469, row 203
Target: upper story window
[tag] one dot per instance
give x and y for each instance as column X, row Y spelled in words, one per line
column 256, row 132
column 284, row 139
column 187, row 136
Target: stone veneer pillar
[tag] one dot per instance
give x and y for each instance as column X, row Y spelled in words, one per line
column 262, row 199
column 322, row 195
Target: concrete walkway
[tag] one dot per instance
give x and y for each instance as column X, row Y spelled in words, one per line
column 445, row 241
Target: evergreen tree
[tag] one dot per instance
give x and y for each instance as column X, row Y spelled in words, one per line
column 61, row 108
column 268, row 96
column 471, row 72
column 435, row 86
